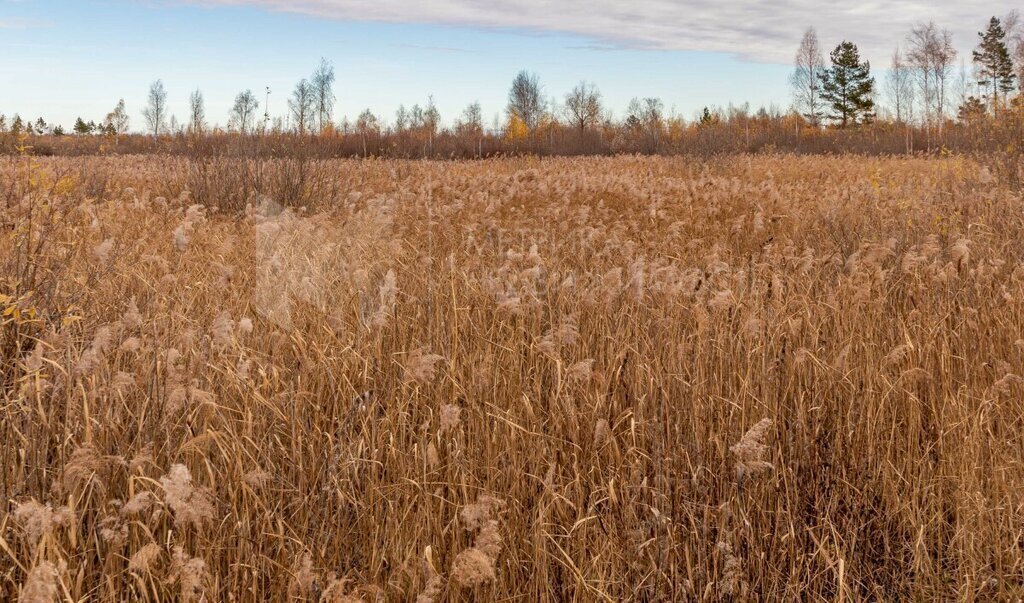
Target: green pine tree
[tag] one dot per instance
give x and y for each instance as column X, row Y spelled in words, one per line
column 706, row 118
column 847, row 86
column 81, row 128
column 995, row 67
column 972, row 110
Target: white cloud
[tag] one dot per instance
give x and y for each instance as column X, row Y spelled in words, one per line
column 20, row 23
column 753, row 30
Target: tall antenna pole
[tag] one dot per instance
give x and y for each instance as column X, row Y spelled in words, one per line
column 266, row 112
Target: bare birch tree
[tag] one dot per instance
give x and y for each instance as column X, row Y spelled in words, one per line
column 300, row 105
column 155, row 112
column 931, row 54
column 583, row 106
column 117, row 120
column 323, row 94
column 197, row 113
column 525, row 101
column 899, row 87
column 805, row 80
column 1014, row 26
column 244, row 111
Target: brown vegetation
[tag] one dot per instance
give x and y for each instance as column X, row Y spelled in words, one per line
column 730, row 131
column 764, row 377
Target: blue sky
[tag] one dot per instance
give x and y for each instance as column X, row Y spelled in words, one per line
column 64, row 58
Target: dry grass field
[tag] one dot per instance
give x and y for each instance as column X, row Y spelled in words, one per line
column 658, row 379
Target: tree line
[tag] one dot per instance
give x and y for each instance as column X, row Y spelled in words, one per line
column 839, row 93
column 920, row 81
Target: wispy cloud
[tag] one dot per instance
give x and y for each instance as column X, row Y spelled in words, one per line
column 22, row 23
column 756, row 30
column 441, row 49
column 595, row 47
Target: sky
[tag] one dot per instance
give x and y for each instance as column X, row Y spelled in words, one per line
column 61, row 59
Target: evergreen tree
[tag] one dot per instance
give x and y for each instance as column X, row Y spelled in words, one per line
column 58, row 131
column 706, row 118
column 972, row 110
column 847, row 86
column 81, row 128
column 995, row 67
